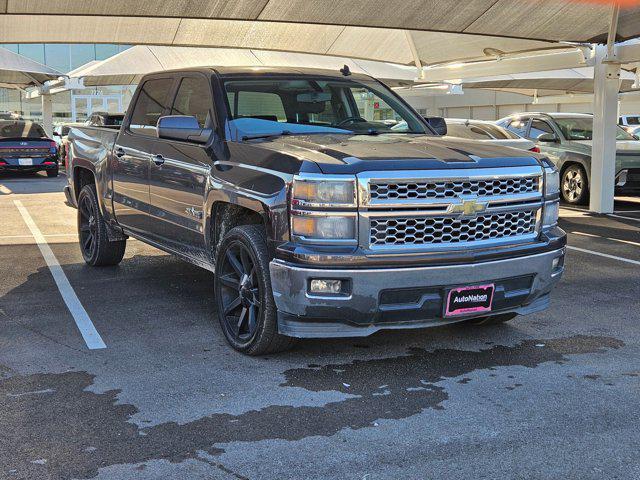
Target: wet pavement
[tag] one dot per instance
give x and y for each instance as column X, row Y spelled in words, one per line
column 552, row 395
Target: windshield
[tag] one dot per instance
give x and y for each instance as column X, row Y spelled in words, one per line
column 20, row 129
column 304, row 105
column 479, row 131
column 581, row 128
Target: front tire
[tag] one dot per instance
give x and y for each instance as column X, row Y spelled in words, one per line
column 574, row 185
column 244, row 299
column 95, row 246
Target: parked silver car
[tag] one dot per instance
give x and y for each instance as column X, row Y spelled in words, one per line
column 487, row 132
column 567, row 139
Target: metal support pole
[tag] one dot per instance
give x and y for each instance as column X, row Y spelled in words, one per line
column 605, row 109
column 414, row 54
column 47, row 114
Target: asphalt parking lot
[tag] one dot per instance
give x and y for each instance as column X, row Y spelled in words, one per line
column 552, row 395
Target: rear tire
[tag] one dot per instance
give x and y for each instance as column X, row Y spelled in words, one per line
column 574, row 185
column 95, row 246
column 244, row 300
column 52, row 173
column 493, row 320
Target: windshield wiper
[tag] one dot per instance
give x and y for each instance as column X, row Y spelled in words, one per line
column 265, row 135
column 371, row 131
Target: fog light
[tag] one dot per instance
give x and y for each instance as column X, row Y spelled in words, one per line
column 324, row 286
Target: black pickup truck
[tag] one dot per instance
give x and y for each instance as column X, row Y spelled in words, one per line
column 325, row 205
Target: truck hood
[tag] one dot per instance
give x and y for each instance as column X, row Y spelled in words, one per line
column 351, row 154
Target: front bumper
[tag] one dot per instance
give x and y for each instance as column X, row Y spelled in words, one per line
column 394, row 298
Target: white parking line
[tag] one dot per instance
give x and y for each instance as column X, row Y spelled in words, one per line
column 624, row 218
column 605, row 255
column 628, row 242
column 88, row 331
column 51, row 235
column 6, row 190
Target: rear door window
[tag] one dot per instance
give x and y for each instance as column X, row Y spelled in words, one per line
column 518, row 126
column 538, row 127
column 194, row 99
column 150, row 106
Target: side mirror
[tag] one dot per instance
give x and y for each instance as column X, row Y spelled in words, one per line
column 182, row 127
column 56, row 134
column 547, row 137
column 438, row 124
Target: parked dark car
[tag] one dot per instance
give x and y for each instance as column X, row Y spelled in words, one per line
column 25, row 147
column 318, row 219
column 566, row 138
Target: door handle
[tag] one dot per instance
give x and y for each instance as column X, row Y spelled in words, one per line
column 158, row 159
column 120, row 152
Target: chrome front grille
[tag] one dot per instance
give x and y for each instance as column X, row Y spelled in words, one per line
column 432, row 210
column 442, row 189
column 437, row 230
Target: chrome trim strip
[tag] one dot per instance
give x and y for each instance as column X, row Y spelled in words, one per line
column 185, row 166
column 459, row 174
column 447, row 202
column 365, row 179
column 530, row 206
column 444, row 247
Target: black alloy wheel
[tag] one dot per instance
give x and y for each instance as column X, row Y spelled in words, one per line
column 96, row 247
column 88, row 226
column 245, row 306
column 241, row 292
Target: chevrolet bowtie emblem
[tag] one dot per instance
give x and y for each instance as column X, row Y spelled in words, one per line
column 468, row 208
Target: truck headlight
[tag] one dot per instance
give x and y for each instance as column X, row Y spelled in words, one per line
column 551, row 182
column 332, row 191
column 550, row 214
column 323, row 226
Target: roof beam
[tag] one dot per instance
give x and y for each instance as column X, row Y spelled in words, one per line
column 629, row 53
column 506, row 65
column 414, row 53
column 613, row 30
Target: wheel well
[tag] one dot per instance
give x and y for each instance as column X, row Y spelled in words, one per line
column 225, row 216
column 568, row 164
column 82, row 177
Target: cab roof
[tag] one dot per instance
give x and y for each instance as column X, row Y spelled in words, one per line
column 271, row 71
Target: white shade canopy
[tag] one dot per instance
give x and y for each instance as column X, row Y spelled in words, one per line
column 17, row 71
column 398, row 31
column 570, row 80
column 556, row 20
column 127, row 67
